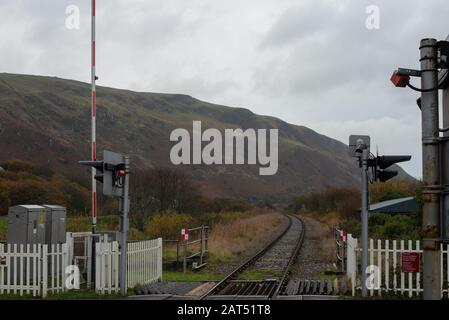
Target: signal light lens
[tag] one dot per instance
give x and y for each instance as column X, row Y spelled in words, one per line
column 122, row 172
column 399, row 81
column 385, row 175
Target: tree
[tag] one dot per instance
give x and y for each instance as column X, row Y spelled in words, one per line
column 160, row 190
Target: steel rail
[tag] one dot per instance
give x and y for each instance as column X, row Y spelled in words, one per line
column 231, row 276
column 284, row 278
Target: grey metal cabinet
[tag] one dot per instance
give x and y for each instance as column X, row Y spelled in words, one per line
column 27, row 224
column 56, row 215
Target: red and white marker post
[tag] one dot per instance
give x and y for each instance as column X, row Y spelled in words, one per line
column 342, row 236
column 184, row 238
column 93, row 120
column 184, row 234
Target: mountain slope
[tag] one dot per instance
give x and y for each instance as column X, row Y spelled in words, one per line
column 47, row 120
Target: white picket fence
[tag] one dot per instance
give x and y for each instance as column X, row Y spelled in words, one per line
column 32, row 269
column 386, row 255
column 40, row 269
column 144, row 264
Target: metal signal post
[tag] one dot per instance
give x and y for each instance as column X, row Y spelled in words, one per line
column 364, row 218
column 359, row 147
column 124, row 210
column 431, row 170
column 93, row 119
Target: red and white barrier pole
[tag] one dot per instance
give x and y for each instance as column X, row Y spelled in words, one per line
column 93, row 115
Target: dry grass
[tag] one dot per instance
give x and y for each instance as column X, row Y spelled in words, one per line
column 320, row 229
column 235, row 237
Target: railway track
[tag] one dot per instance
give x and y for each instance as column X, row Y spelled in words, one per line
column 277, row 257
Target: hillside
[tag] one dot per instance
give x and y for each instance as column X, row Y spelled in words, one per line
column 46, row 120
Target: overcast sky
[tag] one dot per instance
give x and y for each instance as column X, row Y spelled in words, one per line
column 309, row 62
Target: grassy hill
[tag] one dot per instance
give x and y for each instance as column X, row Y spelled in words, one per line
column 46, row 120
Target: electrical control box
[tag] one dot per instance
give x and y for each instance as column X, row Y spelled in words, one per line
column 36, row 224
column 27, row 224
column 56, row 217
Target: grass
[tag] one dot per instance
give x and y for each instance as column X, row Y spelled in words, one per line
column 260, row 274
column 77, row 223
column 82, row 294
column 330, row 277
column 82, row 223
column 230, row 240
column 233, row 239
column 67, row 295
column 203, row 275
column 13, row 296
column 3, row 227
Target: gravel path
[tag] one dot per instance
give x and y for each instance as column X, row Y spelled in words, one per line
column 310, row 264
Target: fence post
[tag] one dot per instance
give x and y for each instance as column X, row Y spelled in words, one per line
column 44, row 270
column 207, row 239
column 201, row 247
column 387, row 266
column 351, row 264
column 3, row 269
column 184, row 266
column 159, row 258
column 97, row 266
column 116, row 265
column 177, row 255
column 14, row 271
column 65, row 262
column 21, row 263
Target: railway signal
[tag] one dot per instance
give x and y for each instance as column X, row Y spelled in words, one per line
column 359, row 147
column 381, row 163
column 434, row 75
column 114, row 175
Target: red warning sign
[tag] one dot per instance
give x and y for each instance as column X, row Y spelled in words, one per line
column 410, row 262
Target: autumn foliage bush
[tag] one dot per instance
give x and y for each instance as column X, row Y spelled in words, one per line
column 23, row 182
column 344, row 203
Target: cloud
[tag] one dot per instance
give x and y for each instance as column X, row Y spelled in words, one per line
column 310, row 62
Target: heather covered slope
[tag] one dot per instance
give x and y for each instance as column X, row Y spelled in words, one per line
column 47, row 120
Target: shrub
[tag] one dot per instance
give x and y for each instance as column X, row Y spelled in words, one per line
column 27, row 166
column 23, row 182
column 167, row 225
column 345, row 201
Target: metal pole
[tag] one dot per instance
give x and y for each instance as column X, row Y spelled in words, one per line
column 364, row 216
column 93, row 137
column 445, row 167
column 431, row 173
column 124, row 208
